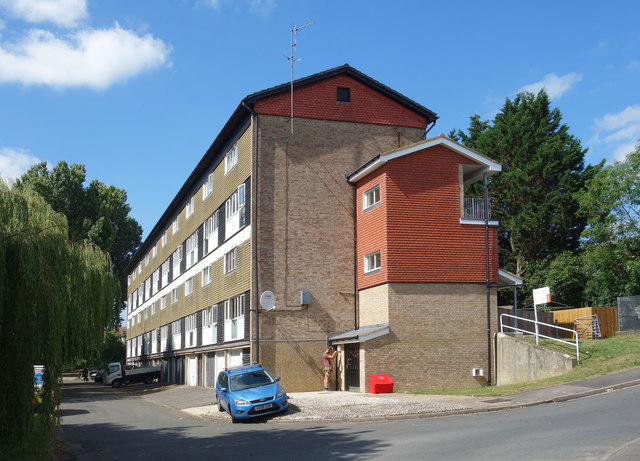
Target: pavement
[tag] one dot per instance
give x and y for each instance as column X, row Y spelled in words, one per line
column 200, row 402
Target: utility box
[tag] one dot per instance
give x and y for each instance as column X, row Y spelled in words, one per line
column 380, row 384
column 305, row 297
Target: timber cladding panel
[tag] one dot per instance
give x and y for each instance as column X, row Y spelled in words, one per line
column 319, row 101
column 438, row 334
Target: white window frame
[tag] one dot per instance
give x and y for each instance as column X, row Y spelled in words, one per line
column 174, row 295
column 176, row 338
column 164, row 238
column 210, row 325
column 206, row 276
column 188, row 287
column 234, row 210
column 166, row 267
column 371, row 197
column 231, row 261
column 372, row 262
column 154, row 307
column 190, row 208
column 147, row 288
column 175, row 226
column 177, row 259
column 154, row 252
column 155, row 281
column 191, row 330
column 192, row 250
column 154, row 340
column 164, row 335
column 163, row 303
column 146, row 260
column 234, row 318
column 207, row 187
column 210, row 233
column 231, row 159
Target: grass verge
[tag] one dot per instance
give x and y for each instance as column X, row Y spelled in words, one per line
column 597, row 357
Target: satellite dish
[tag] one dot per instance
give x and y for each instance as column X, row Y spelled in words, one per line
column 267, row 301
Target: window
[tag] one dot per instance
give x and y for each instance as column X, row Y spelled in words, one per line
column 174, row 295
column 146, row 313
column 192, row 250
column 140, row 295
column 165, row 272
column 129, row 348
column 164, row 238
column 176, row 332
column 231, row 159
column 175, row 227
column 147, row 288
column 163, row 303
column 155, row 281
column 153, row 307
column 189, row 209
column 207, row 187
column 134, row 275
column 234, row 318
column 372, row 262
column 147, row 343
column 371, row 197
column 139, row 317
column 234, row 211
column 206, row 276
column 128, row 279
column 210, row 325
column 155, row 335
column 188, row 286
column 210, row 234
column 230, row 261
column 140, row 268
column 133, row 321
column 190, row 327
column 154, row 251
column 177, row 259
column 164, row 335
column 146, row 260
column 343, row 94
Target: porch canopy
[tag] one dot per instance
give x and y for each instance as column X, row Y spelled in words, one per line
column 359, row 335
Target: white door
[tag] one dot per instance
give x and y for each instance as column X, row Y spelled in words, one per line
column 192, row 364
column 220, row 363
column 235, row 358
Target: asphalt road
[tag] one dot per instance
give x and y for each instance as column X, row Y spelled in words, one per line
column 101, row 423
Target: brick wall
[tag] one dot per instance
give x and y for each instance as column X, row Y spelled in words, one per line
column 437, row 336
column 318, row 101
column 304, row 226
column 422, row 239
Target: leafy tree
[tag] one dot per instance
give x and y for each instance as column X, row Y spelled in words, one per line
column 611, row 204
column 543, row 169
column 56, row 297
column 98, row 213
column 113, row 350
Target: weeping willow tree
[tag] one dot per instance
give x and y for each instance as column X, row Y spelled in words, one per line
column 56, row 298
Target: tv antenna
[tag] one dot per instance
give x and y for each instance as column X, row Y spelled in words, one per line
column 294, row 30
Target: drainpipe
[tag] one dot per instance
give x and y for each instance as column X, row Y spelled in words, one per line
column 355, row 260
column 486, row 241
column 254, row 224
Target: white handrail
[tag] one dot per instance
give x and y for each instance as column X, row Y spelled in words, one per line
column 575, row 333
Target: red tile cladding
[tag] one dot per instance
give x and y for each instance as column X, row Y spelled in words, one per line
column 319, row 101
column 418, row 225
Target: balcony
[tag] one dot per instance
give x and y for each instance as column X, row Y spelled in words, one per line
column 473, row 209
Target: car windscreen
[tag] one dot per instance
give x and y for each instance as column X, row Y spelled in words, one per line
column 250, row 379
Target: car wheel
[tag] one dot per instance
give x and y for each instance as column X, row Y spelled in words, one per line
column 234, row 420
column 220, row 406
column 116, row 383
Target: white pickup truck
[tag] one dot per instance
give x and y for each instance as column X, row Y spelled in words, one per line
column 117, row 375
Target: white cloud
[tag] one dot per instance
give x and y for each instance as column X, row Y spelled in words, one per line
column 92, row 58
column 554, row 85
column 261, row 7
column 14, row 163
column 621, row 130
column 64, row 13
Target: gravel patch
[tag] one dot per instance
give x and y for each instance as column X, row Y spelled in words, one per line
column 346, row 407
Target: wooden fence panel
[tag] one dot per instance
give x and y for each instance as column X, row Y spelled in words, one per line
column 608, row 317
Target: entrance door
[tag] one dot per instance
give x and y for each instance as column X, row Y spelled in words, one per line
column 192, row 369
column 352, row 367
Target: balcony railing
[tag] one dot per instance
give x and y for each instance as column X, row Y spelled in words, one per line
column 474, row 208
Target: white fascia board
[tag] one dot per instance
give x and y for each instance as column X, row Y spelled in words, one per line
column 368, row 170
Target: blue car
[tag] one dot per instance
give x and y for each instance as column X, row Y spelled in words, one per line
column 249, row 390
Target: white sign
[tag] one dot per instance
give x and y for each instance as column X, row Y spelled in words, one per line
column 541, row 295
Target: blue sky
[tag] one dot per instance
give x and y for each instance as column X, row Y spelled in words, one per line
column 137, row 90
